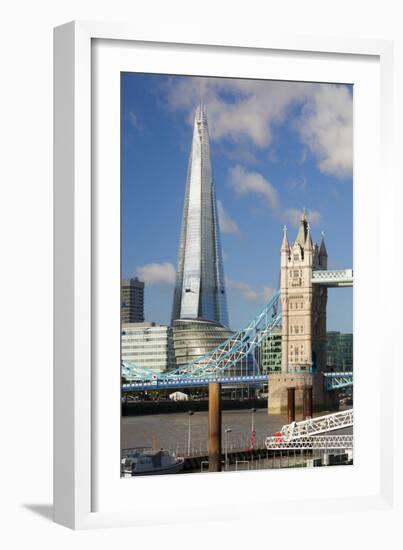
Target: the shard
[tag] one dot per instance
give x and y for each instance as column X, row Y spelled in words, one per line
column 200, row 290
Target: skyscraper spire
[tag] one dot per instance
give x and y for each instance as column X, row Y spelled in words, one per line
column 200, row 291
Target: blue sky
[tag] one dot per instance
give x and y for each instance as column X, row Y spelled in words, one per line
column 277, row 147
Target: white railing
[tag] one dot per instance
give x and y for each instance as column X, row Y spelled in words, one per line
column 310, row 442
column 318, row 425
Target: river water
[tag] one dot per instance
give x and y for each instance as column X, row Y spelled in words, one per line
column 171, row 431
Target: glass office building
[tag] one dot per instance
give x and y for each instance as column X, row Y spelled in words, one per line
column 193, row 338
column 339, row 351
column 148, row 345
column 200, row 291
column 132, row 301
column 269, row 355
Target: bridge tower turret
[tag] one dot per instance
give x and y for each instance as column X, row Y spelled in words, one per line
column 322, row 253
column 303, row 304
column 319, row 313
column 303, row 338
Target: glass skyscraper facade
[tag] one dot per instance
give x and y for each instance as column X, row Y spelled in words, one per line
column 339, row 351
column 270, row 352
column 200, row 290
column 148, row 345
column 193, row 338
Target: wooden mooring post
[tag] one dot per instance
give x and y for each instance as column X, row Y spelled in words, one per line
column 291, row 404
column 214, row 427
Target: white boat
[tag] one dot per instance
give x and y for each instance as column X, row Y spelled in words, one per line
column 148, row 462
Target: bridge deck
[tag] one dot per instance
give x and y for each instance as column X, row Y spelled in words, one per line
column 160, row 384
column 333, row 278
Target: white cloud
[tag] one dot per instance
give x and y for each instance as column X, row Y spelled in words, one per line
column 157, row 274
column 248, row 292
column 244, row 182
column 326, row 127
column 134, row 120
column 227, row 224
column 258, row 105
column 246, row 112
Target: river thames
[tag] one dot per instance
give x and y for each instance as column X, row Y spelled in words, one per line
column 171, row 431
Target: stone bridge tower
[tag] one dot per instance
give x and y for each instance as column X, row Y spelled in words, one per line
column 303, row 322
column 303, row 304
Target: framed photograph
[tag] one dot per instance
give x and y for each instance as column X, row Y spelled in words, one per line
column 219, row 229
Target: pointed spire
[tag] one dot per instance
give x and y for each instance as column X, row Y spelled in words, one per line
column 200, row 284
column 322, row 249
column 303, row 230
column 285, row 247
column 201, row 112
column 315, row 253
column 308, row 242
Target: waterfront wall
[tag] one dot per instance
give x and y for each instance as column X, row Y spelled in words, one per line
column 136, row 408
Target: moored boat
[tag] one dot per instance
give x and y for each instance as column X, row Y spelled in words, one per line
column 149, row 462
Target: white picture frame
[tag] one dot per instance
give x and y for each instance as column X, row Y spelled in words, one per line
column 88, row 491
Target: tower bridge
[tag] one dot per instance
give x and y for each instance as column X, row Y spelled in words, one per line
column 299, row 307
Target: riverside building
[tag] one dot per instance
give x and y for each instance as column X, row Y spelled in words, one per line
column 270, row 352
column 339, row 351
column 148, row 345
column 132, row 301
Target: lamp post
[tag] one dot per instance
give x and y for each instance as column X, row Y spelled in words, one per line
column 227, row 431
column 190, row 413
column 253, row 419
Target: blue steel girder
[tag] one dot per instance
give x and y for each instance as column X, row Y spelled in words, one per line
column 222, row 358
column 338, row 380
column 177, row 383
column 237, row 346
